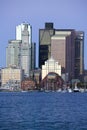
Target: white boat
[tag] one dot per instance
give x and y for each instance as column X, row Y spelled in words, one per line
column 64, row 91
column 69, row 90
column 59, row 90
column 82, row 90
column 47, row 91
column 76, row 88
column 24, row 91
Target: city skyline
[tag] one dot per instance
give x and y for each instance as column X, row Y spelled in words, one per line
column 68, row 14
column 65, row 46
column 21, row 52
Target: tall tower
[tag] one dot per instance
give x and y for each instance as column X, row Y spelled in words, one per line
column 45, row 43
column 24, row 33
column 33, row 56
column 79, row 54
column 13, row 53
column 63, row 49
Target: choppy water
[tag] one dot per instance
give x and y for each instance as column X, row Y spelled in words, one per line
column 43, row 111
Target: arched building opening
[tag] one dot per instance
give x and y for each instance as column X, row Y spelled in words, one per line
column 52, row 81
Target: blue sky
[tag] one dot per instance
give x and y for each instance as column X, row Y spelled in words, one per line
column 63, row 13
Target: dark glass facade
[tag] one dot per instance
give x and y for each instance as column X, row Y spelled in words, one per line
column 79, row 55
column 45, row 43
column 43, row 50
column 49, row 25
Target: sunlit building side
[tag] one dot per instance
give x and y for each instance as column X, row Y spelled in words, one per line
column 12, row 77
column 13, row 53
column 51, row 75
column 51, row 66
column 63, row 49
column 22, row 52
column 24, row 33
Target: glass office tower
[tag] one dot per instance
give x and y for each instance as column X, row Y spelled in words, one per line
column 13, row 53
column 79, row 54
column 45, row 43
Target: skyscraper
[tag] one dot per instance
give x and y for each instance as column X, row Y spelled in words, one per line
column 66, row 46
column 45, row 43
column 63, row 49
column 13, row 53
column 79, row 54
column 24, row 33
column 21, row 52
column 33, row 56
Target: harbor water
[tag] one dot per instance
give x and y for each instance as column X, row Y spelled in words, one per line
column 43, row 111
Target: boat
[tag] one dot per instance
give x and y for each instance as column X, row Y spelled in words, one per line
column 69, row 90
column 82, row 90
column 47, row 91
column 76, row 88
column 23, row 91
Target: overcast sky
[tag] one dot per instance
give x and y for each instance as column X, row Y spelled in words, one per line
column 65, row 14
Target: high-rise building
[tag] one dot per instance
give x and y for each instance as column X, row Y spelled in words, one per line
column 33, row 56
column 24, row 33
column 21, row 52
column 63, row 49
column 45, row 43
column 13, row 53
column 79, row 54
column 66, row 46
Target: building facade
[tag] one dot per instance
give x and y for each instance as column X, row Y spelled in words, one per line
column 66, row 46
column 52, row 82
column 13, row 53
column 12, row 76
column 21, row 52
column 63, row 50
column 24, row 33
column 79, row 54
column 51, row 66
column 45, row 43
column 33, row 56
